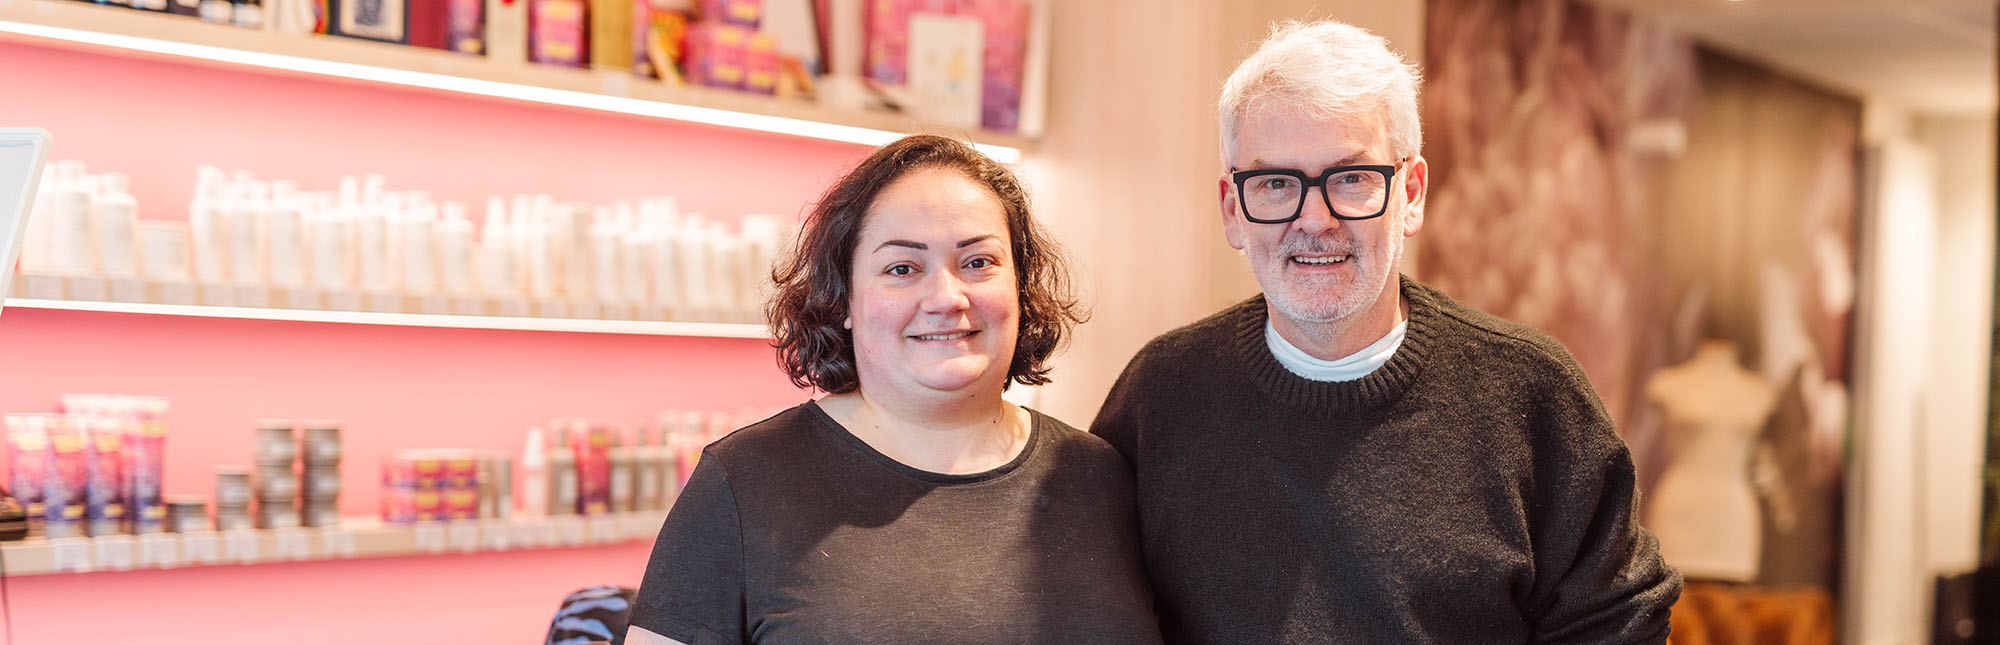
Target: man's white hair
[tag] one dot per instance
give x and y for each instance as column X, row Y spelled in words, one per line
column 1325, row 70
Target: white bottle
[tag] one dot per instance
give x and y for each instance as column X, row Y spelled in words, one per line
column 371, row 248
column 116, row 227
column 534, row 476
column 330, row 232
column 284, row 227
column 691, row 251
column 539, row 252
column 606, row 242
column 497, row 273
column 562, row 474
column 163, row 250
column 245, row 213
column 416, row 253
column 634, row 248
column 205, row 225
column 454, row 250
column 71, row 244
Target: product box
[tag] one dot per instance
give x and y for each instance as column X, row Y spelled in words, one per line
column 384, row 20
column 659, row 48
column 468, row 27
column 29, row 461
column 399, row 505
column 611, row 33
column 461, row 470
column 716, row 54
column 743, row 13
column 63, row 491
column 104, row 475
column 760, row 64
column 145, row 464
column 460, row 504
column 429, row 23
column 427, row 471
column 593, row 468
column 557, row 32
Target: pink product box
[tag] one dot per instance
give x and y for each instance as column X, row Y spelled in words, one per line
column 1005, row 59
column 716, row 54
column 29, row 460
column 557, row 35
column 399, row 505
column 744, row 13
column 460, row 471
column 104, row 475
column 888, row 36
column 63, row 490
column 760, row 64
column 460, row 504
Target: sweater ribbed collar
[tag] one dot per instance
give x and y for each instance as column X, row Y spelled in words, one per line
column 1245, row 325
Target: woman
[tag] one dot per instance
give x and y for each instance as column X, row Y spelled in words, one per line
column 912, row 503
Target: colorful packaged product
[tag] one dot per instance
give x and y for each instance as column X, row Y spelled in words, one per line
column 660, row 48
column 468, row 27
column 592, row 443
column 742, row 13
column 145, row 464
column 716, row 54
column 29, row 461
column 760, row 64
column 556, row 32
column 63, row 489
column 104, row 474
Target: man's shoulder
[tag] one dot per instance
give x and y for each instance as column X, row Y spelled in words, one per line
column 1487, row 339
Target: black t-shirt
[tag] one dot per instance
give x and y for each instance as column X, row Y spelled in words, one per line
column 793, row 530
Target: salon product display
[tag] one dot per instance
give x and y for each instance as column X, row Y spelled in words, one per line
column 362, row 246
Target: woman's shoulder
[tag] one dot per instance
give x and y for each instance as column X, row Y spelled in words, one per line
column 778, row 433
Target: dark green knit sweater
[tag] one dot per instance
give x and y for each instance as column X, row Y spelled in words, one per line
column 1471, row 490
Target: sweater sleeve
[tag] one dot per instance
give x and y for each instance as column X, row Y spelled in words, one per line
column 693, row 588
column 1599, row 575
column 1117, row 420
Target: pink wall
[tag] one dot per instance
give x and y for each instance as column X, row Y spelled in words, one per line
column 395, row 387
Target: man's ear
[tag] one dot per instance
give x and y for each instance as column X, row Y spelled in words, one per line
column 1232, row 226
column 1416, row 188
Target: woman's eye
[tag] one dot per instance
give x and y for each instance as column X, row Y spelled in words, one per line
column 902, row 269
column 980, row 263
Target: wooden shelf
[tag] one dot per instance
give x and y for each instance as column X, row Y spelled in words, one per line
column 353, row 538
column 255, row 303
column 100, row 27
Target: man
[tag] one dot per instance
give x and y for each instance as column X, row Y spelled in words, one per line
column 1352, row 456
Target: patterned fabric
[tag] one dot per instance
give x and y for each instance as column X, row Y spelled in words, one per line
column 592, row 614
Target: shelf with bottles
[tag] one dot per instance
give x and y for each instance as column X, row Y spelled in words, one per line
column 351, row 537
column 510, row 75
column 260, row 249
column 89, row 481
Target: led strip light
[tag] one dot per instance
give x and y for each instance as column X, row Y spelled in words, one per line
column 530, row 93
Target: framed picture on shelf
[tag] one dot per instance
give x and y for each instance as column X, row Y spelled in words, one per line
column 384, row 20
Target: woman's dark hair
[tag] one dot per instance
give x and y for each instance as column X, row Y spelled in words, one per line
column 810, row 305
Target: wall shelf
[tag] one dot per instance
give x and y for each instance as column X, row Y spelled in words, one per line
column 254, row 303
column 353, row 538
column 97, row 27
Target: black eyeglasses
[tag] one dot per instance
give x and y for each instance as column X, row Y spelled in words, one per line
column 1278, row 195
